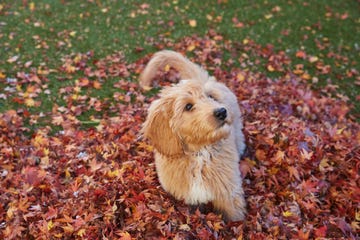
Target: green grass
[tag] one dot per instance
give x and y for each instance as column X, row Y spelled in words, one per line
column 45, row 31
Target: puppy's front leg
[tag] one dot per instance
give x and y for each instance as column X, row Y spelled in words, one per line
column 203, row 208
column 233, row 206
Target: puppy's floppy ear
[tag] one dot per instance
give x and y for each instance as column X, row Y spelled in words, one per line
column 186, row 68
column 157, row 128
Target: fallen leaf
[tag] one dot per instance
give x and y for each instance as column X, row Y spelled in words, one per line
column 13, row 59
column 192, row 23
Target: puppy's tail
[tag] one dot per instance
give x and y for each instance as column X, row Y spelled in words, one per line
column 186, row 68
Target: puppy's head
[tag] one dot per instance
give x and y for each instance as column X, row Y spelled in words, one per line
column 187, row 117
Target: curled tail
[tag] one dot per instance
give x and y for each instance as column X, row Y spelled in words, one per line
column 186, row 68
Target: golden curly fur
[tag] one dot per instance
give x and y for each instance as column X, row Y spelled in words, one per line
column 196, row 129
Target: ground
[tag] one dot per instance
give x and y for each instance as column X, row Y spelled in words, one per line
column 72, row 162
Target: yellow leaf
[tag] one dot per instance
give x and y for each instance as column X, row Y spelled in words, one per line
column 10, row 212
column 114, row 208
column 78, row 57
column 32, row 6
column 125, row 236
column 29, row 102
column 191, row 48
column 2, row 75
column 218, row 226
column 192, row 23
column 167, row 33
column 146, row 88
column 273, row 171
column 184, row 227
column 287, row 214
column 357, row 215
column 339, row 131
column 298, row 71
column 167, row 68
column 30, row 89
column 355, row 225
column 240, row 77
column 305, row 155
column 57, row 120
column 70, row 69
column 68, row 228
column 50, row 225
column 279, row 156
column 145, row 146
column 81, row 232
column 45, row 161
column 245, row 41
column 72, row 33
column 67, row 173
column 58, row 235
column 39, row 141
column 324, row 165
column 270, row 68
column 77, row 89
column 268, row 16
column 46, row 151
column 313, row 59
column 113, row 174
column 306, row 76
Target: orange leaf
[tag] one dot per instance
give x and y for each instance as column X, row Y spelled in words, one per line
column 294, row 172
column 125, row 236
column 260, row 155
column 303, row 235
column 97, row 84
column 300, row 54
column 321, row 231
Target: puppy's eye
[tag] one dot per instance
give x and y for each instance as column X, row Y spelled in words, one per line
column 188, row 107
column 212, row 97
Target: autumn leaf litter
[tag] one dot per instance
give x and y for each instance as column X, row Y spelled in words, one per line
column 300, row 169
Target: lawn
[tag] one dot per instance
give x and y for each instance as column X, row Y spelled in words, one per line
column 318, row 37
column 71, row 110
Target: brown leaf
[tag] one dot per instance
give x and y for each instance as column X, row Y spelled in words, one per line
column 34, row 176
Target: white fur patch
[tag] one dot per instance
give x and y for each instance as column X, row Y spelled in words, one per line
column 184, row 81
column 199, row 192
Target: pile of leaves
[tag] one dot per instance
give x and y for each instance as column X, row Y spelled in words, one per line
column 64, row 180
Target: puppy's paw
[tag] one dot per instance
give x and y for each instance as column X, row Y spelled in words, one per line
column 204, row 208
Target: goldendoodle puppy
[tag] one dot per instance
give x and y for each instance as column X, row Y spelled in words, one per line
column 196, row 130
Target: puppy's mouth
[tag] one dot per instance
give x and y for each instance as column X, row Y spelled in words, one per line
column 223, row 124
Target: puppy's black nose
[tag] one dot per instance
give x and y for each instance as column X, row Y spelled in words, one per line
column 220, row 113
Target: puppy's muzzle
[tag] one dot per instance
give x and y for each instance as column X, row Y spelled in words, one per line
column 220, row 114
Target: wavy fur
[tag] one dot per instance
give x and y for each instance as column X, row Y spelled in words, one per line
column 197, row 152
